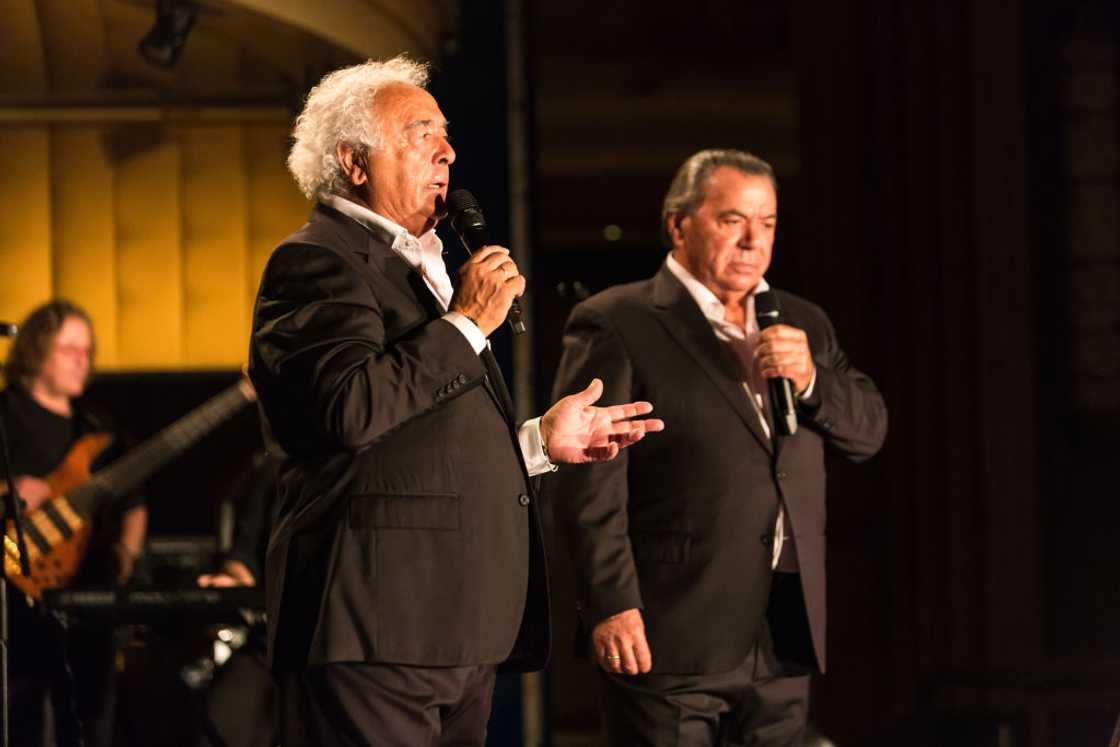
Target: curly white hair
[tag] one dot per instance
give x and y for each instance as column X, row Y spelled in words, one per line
column 338, row 111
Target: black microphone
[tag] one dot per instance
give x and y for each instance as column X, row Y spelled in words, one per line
column 7, row 329
column 467, row 220
column 769, row 312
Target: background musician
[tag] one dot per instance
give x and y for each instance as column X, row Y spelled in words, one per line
column 47, row 370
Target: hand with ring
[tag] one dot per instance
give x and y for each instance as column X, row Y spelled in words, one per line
column 620, row 643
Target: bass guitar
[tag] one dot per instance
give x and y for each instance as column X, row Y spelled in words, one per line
column 57, row 533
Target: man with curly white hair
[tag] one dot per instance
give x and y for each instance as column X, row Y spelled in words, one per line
column 406, row 562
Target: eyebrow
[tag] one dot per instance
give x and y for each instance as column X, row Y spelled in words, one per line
column 425, row 123
column 725, row 213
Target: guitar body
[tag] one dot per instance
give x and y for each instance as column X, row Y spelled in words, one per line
column 57, row 536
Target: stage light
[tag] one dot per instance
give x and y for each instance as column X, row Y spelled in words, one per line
column 164, row 43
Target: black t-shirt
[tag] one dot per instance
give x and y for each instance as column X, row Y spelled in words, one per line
column 38, row 438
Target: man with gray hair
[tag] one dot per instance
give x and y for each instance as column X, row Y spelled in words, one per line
column 405, row 564
column 700, row 554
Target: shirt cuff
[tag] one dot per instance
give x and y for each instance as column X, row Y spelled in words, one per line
column 809, row 389
column 532, row 448
column 469, row 329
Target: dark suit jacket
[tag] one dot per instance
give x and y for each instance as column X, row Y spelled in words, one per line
column 681, row 525
column 406, row 533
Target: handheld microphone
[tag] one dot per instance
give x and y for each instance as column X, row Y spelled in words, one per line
column 467, row 220
column 7, row 329
column 769, row 312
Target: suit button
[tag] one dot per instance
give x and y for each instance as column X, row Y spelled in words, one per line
column 826, row 424
column 767, row 539
column 523, row 499
column 462, row 379
column 782, row 475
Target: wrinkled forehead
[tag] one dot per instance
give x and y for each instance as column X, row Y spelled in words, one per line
column 402, row 106
column 727, row 185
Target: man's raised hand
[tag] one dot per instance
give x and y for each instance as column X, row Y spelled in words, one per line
column 575, row 431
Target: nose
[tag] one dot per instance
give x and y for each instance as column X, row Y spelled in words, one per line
column 446, row 154
column 746, row 239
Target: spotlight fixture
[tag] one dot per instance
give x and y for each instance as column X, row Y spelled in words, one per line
column 164, row 43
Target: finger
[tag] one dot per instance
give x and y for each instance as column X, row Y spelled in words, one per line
column 785, row 353
column 610, row 660
column 631, row 436
column 497, row 262
column 601, row 453
column 626, row 441
column 629, row 660
column 591, row 394
column 642, row 653
column 628, row 427
column 780, row 330
column 784, row 365
column 780, row 358
column 637, row 434
column 486, row 253
column 628, row 410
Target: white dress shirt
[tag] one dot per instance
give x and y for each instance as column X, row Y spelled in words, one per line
column 425, row 254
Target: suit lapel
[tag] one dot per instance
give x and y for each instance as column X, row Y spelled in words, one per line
column 407, row 279
column 685, row 323
column 373, row 248
column 496, row 384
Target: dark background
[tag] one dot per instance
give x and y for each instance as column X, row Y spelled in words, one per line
column 949, row 193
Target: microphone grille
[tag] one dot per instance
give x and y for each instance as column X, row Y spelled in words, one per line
column 459, row 200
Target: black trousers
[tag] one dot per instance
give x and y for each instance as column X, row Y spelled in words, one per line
column 758, row 703
column 240, row 705
column 355, row 704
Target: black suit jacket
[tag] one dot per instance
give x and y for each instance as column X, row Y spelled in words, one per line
column 407, row 530
column 681, row 525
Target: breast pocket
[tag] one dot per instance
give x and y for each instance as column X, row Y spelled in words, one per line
column 433, row 511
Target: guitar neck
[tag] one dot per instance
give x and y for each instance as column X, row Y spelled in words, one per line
column 147, row 458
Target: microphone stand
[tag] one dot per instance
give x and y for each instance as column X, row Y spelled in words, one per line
column 11, row 513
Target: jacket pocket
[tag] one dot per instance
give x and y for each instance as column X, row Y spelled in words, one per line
column 439, row 511
column 661, row 547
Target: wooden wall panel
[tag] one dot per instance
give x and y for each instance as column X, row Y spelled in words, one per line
column 149, row 256
column 74, row 45
column 85, row 232
column 160, row 231
column 25, row 221
column 215, row 246
column 275, row 205
column 22, row 63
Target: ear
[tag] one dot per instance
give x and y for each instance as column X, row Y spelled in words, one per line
column 353, row 163
column 674, row 227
